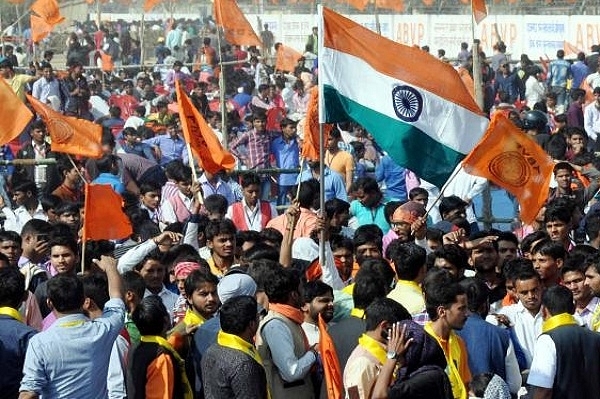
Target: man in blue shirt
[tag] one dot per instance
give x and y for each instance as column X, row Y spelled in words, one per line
column 579, row 70
column 70, row 359
column 133, row 144
column 333, row 181
column 394, row 177
column 109, row 169
column 287, row 156
column 558, row 74
column 170, row 146
column 368, row 207
column 14, row 333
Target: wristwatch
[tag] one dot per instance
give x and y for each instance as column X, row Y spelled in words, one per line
column 392, row 355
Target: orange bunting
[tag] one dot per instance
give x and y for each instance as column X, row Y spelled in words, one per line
column 331, row 363
column 70, row 135
column 394, row 5
column 48, row 10
column 287, row 59
column 107, row 62
column 150, row 4
column 479, row 10
column 235, row 25
column 104, row 218
column 360, row 5
column 514, row 161
column 14, row 115
column 203, row 141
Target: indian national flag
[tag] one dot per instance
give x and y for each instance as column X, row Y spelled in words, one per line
column 415, row 106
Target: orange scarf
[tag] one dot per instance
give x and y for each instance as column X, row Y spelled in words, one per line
column 292, row 313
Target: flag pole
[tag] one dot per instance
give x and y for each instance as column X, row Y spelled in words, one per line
column 477, row 81
column 84, row 231
column 142, row 51
column 321, row 142
column 194, row 174
column 222, row 90
column 444, row 187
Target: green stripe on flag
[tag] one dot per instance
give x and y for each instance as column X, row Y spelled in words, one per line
column 407, row 145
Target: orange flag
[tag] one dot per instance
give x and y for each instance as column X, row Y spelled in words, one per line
column 479, row 10
column 150, row 4
column 103, row 217
column 14, row 115
column 331, row 364
column 310, row 145
column 203, row 141
column 48, row 10
column 287, row 58
column 570, row 48
column 358, row 4
column 39, row 28
column 70, row 135
column 107, row 62
column 236, row 27
column 514, row 161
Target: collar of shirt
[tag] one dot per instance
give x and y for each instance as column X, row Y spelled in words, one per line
column 590, row 308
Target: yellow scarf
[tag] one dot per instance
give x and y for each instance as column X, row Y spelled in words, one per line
column 373, row 347
column 595, row 321
column 412, row 284
column 234, row 342
column 356, row 312
column 163, row 343
column 11, row 312
column 563, row 319
column 459, row 390
column 192, row 318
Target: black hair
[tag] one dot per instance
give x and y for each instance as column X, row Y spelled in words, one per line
column 592, row 225
column 479, row 383
column 367, row 288
column 68, row 207
column 95, row 287
column 563, row 166
column 368, row 233
column 450, row 203
column 153, row 255
column 215, row 228
column 11, row 236
column 64, row 241
column 50, row 202
column 313, row 289
column 243, row 236
column 12, row 287
column 281, row 284
column 515, row 267
column 36, row 227
column 557, row 212
column 408, row 259
column 340, row 241
column 417, row 191
column 593, row 261
column 384, row 309
column 25, row 186
column 149, row 187
column 527, row 274
column 477, row 292
column 507, row 236
column 550, row 248
column 335, row 206
column 216, row 203
column 261, row 251
column 106, row 163
column 367, row 184
column 250, row 179
column 65, row 291
column 528, row 240
column 196, row 278
column 454, row 254
column 150, row 316
column 273, row 235
column 440, row 290
column 64, row 165
column 133, row 281
column 308, row 193
column 482, row 234
column 237, row 313
column 260, row 270
column 558, row 299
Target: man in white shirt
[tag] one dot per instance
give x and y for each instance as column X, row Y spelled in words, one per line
column 251, row 213
column 29, row 207
column 591, row 117
column 47, row 88
column 526, row 316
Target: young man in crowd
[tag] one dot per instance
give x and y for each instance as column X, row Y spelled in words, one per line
column 251, row 213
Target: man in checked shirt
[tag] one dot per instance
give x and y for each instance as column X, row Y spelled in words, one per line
column 258, row 143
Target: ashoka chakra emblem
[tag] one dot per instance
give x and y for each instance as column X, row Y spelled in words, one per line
column 510, row 168
column 408, row 103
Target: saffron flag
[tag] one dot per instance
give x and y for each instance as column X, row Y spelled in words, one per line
column 570, row 49
column 103, row 217
column 515, row 162
column 236, row 27
column 150, row 4
column 39, row 28
column 360, row 5
column 424, row 118
column 203, row 141
column 331, row 364
column 48, row 10
column 287, row 58
column 479, row 10
column 394, row 5
column 70, row 135
column 14, row 115
column 311, row 143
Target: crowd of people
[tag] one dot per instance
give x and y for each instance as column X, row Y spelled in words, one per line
column 218, row 292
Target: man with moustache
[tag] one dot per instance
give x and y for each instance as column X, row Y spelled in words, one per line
column 592, row 281
column 573, row 277
column 484, row 259
column 318, row 300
